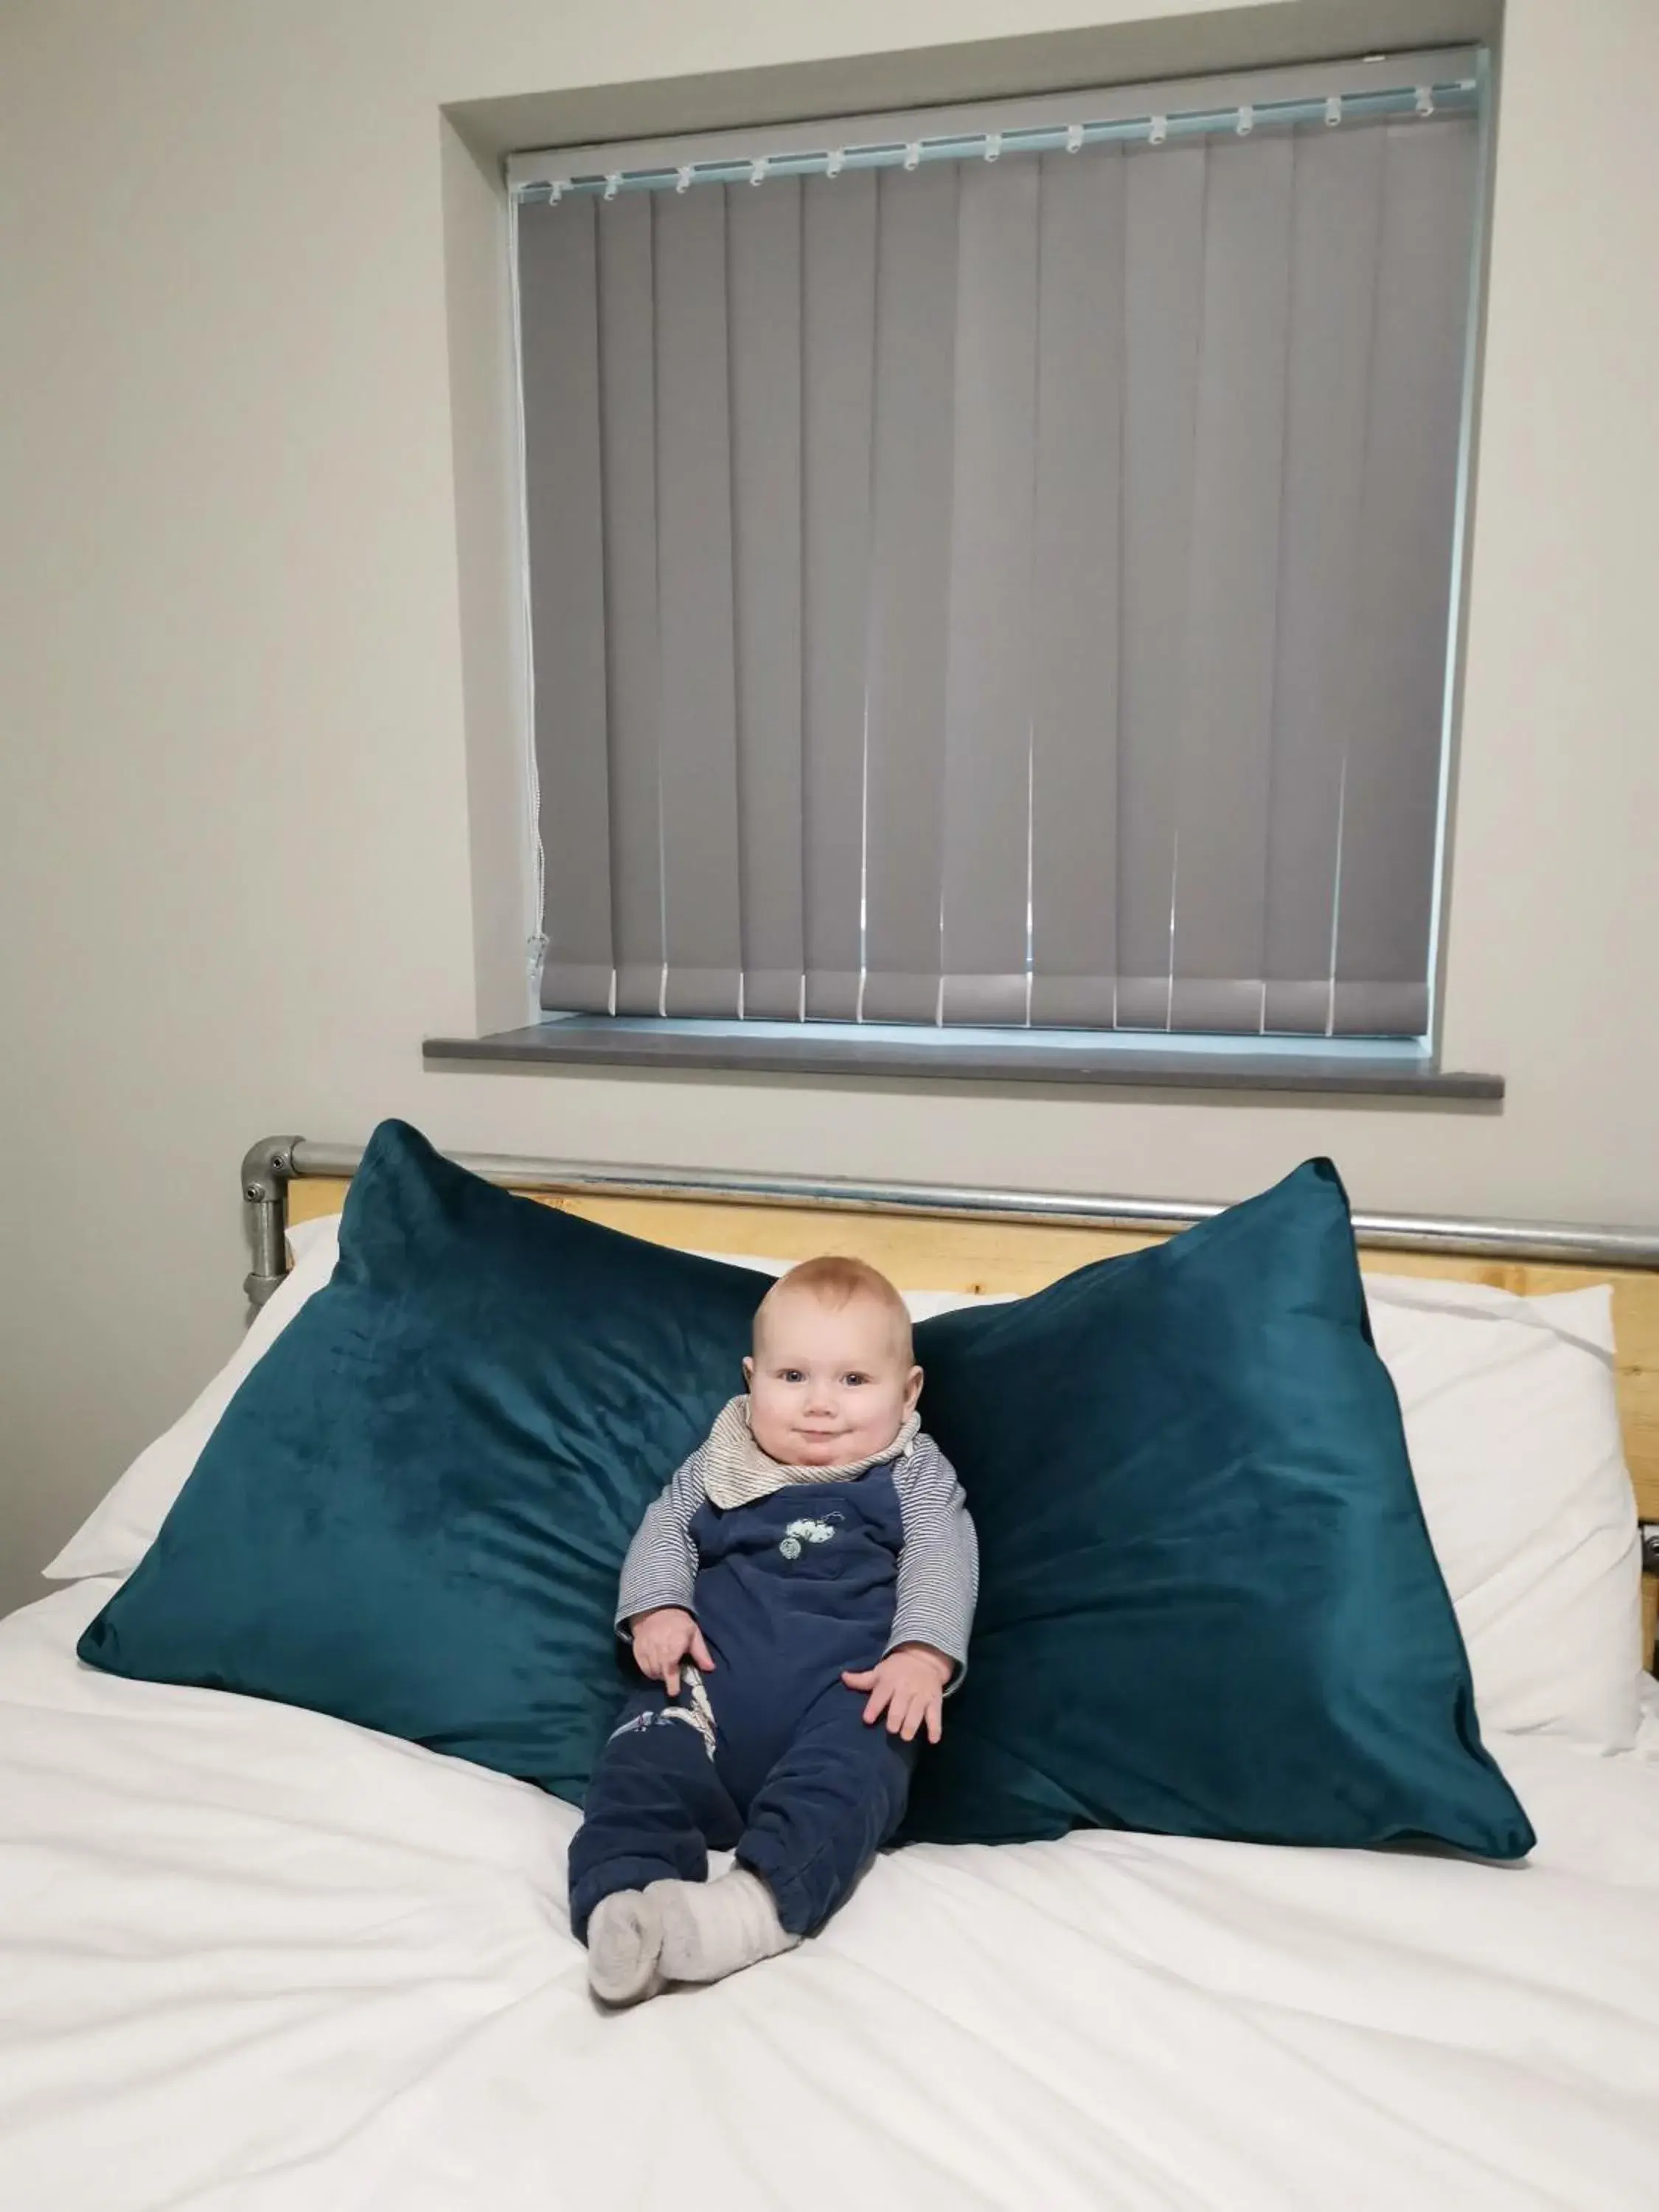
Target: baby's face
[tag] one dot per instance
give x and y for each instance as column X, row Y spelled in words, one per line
column 829, row 1383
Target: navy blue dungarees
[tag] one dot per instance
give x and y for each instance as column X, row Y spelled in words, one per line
column 768, row 1755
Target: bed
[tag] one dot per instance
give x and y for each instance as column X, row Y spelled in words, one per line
column 257, row 1958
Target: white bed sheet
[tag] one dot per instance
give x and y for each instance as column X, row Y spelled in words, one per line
column 256, row 1961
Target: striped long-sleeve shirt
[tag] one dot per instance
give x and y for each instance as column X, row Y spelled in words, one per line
column 938, row 1565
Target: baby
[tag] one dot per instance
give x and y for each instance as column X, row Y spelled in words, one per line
column 799, row 1598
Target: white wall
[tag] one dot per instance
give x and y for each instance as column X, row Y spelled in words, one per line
column 235, row 881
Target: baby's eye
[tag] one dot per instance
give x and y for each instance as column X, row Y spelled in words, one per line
column 791, row 1374
column 853, row 1381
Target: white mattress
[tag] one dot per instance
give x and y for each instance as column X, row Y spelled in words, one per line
column 256, row 1958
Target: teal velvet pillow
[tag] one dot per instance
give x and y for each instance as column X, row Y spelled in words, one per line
column 1209, row 1603
column 414, row 1512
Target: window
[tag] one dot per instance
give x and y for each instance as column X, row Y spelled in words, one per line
column 999, row 565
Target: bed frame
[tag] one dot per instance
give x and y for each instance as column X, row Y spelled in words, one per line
column 928, row 1237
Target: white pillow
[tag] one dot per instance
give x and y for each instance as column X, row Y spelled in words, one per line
column 121, row 1529
column 1511, row 1416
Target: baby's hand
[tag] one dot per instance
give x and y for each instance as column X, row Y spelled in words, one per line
column 662, row 1640
column 908, row 1686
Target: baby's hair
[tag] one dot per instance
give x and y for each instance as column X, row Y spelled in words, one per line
column 836, row 1280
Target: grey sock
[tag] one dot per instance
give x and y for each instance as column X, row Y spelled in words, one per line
column 624, row 1937
column 712, row 1929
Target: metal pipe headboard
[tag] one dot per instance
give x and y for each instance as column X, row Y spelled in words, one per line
column 272, row 1164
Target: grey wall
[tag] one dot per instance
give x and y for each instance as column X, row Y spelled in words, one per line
column 236, row 849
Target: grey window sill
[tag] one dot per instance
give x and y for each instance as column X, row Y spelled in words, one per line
column 1357, row 1068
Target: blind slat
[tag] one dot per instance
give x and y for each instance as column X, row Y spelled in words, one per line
column 561, row 348
column 1338, row 198
column 1226, row 730
column 1074, row 762
column 1162, row 329
column 838, row 315
column 633, row 658
column 1392, row 778
column 703, row 950
column 989, row 660
column 763, row 267
column 909, row 590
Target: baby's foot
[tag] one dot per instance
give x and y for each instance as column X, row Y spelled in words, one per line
column 712, row 1929
column 624, row 1937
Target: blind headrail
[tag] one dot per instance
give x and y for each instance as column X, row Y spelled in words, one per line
column 1445, row 82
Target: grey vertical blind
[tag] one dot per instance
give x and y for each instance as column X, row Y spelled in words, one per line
column 1007, row 591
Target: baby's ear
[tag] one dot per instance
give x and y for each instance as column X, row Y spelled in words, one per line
column 912, row 1389
column 748, row 1371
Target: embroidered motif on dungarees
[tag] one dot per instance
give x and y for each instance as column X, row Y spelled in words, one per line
column 699, row 1715
column 800, row 1533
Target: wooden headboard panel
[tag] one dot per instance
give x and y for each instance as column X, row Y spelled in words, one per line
column 938, row 1253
